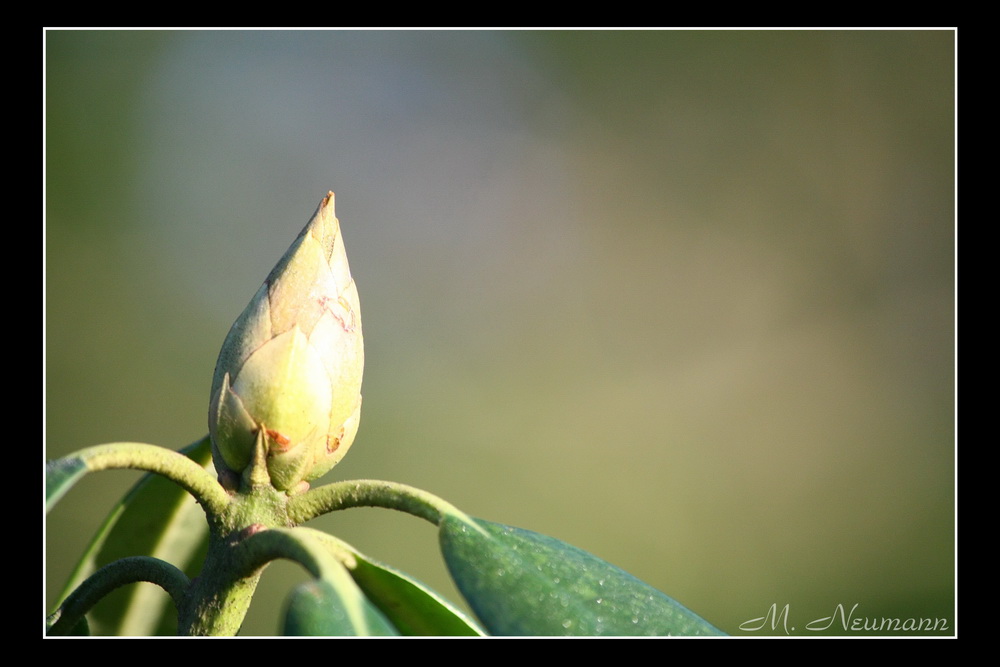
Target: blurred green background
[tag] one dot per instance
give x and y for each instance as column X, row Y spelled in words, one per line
column 682, row 299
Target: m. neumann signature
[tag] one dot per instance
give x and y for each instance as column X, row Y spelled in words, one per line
column 846, row 621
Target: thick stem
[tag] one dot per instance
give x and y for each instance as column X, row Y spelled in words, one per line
column 219, row 598
column 224, row 591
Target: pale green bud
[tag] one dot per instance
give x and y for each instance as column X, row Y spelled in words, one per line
column 291, row 366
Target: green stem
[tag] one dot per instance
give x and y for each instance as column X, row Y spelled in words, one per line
column 370, row 493
column 114, row 575
column 219, row 599
column 295, row 544
column 175, row 466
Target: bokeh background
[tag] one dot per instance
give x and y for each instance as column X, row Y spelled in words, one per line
column 683, row 299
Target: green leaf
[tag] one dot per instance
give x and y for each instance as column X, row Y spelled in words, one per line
column 319, row 608
column 409, row 604
column 60, row 476
column 523, row 583
column 156, row 518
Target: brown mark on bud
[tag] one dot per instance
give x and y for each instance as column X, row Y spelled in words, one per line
column 333, row 442
column 342, row 317
column 282, row 440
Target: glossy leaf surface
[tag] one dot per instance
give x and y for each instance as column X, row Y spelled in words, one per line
column 523, row 583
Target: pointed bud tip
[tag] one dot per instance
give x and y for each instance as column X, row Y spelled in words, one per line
column 326, row 206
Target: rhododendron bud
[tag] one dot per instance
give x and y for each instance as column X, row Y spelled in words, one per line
column 290, row 368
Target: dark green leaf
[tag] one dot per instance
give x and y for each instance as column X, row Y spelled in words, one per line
column 156, row 518
column 318, row 609
column 412, row 607
column 523, row 583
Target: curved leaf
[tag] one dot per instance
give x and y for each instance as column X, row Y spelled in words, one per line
column 318, row 608
column 523, row 583
column 60, row 476
column 156, row 518
column 410, row 605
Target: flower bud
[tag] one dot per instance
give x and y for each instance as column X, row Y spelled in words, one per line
column 290, row 368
